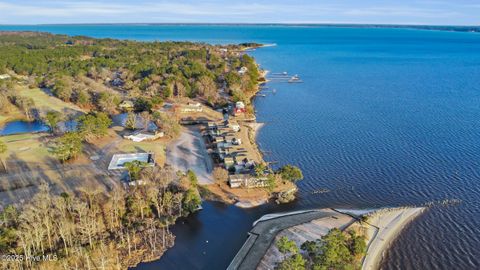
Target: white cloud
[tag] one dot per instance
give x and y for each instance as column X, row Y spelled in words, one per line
column 66, row 11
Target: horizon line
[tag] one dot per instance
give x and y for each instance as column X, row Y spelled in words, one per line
column 243, row 23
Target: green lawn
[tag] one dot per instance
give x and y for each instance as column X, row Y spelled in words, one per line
column 44, row 102
column 27, row 147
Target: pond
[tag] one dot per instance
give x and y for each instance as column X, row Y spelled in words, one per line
column 20, row 126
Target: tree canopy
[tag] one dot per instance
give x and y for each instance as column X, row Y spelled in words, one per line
column 290, row 173
column 335, row 250
column 68, row 146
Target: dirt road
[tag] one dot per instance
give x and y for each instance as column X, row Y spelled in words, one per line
column 189, row 152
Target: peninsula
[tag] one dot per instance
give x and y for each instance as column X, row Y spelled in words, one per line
column 322, row 239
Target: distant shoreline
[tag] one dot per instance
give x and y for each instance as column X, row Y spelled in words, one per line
column 448, row 28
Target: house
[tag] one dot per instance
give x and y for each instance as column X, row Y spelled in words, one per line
column 239, row 108
column 247, row 181
column 211, row 126
column 144, row 136
column 126, row 105
column 247, row 163
column 242, row 70
column 231, row 140
column 4, row 76
column 234, row 125
column 236, row 141
column 229, row 162
column 191, row 107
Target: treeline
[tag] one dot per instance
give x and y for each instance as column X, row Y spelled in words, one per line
column 70, row 144
column 10, row 100
column 98, row 73
column 94, row 230
column 336, row 250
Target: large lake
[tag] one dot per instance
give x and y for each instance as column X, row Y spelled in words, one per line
column 385, row 117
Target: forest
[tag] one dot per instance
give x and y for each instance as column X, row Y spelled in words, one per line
column 94, row 230
column 99, row 73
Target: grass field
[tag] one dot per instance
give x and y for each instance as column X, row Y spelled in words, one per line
column 27, row 147
column 13, row 114
column 44, row 102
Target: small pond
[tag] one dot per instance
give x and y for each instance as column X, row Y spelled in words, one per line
column 20, row 126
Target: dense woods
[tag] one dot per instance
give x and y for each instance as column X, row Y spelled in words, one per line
column 93, row 230
column 99, row 73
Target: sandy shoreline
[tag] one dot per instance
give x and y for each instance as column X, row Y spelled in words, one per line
column 386, row 225
column 381, row 229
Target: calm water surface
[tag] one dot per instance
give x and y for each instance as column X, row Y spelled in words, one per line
column 17, row 127
column 386, row 117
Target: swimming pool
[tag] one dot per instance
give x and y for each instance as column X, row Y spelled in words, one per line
column 118, row 161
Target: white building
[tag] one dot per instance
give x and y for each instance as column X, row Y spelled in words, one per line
column 242, row 70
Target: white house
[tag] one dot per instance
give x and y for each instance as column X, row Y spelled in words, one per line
column 242, row 70
column 234, row 125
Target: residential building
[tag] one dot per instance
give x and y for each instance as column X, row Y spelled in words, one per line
column 247, row 181
column 234, row 125
column 191, row 107
column 229, row 162
column 239, row 108
column 242, row 70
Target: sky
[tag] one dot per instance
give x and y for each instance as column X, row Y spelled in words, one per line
column 429, row 12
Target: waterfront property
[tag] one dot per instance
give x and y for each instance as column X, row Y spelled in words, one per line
column 118, row 161
column 234, row 125
column 247, row 180
column 239, row 108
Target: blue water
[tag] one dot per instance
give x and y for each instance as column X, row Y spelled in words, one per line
column 385, row 117
column 17, row 127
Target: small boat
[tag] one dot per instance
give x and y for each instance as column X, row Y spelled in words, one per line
column 295, row 79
